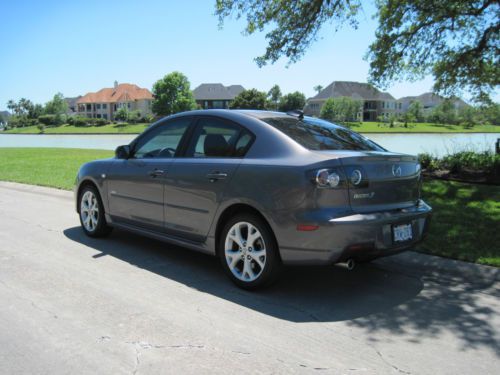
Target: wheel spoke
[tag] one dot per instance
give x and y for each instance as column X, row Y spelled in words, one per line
column 257, row 257
column 253, row 235
column 247, row 270
column 234, row 258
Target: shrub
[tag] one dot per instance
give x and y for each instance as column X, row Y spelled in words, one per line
column 100, row 121
column 47, row 119
column 81, row 121
column 429, row 162
column 134, row 117
column 148, row 118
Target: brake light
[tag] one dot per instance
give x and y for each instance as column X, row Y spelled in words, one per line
column 327, row 178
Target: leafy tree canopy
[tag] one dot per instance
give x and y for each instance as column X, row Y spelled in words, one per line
column 456, row 41
column 250, row 99
column 318, row 88
column 57, row 106
column 172, row 94
column 341, row 109
column 274, row 96
column 294, row 100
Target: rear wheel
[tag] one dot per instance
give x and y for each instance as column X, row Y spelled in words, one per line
column 248, row 252
column 92, row 213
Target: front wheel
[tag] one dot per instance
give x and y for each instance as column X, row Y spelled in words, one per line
column 92, row 213
column 248, row 252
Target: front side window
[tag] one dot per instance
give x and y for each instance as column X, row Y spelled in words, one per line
column 315, row 134
column 218, row 138
column 163, row 141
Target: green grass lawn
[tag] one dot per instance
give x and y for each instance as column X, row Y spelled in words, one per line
column 56, row 167
column 466, row 221
column 365, row 127
column 465, row 225
column 377, row 127
column 70, row 129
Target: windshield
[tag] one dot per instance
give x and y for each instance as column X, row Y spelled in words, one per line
column 315, row 134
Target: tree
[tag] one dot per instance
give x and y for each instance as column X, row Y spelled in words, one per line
column 24, row 112
column 294, row 100
column 172, row 94
column 454, row 40
column 274, row 96
column 318, row 88
column 341, row 109
column 57, row 106
column 122, row 114
column 467, row 116
column 416, row 111
column 444, row 113
column 250, row 99
column 491, row 113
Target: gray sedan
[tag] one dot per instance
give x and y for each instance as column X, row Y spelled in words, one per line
column 259, row 190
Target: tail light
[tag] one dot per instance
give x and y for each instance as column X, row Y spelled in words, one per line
column 327, row 178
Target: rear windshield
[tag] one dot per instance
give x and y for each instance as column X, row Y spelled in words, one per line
column 315, row 134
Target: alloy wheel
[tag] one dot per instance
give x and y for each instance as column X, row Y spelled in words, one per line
column 245, row 251
column 89, row 211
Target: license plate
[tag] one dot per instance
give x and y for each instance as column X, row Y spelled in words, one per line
column 402, row 232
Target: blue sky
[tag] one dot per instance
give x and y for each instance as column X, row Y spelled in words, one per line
column 75, row 47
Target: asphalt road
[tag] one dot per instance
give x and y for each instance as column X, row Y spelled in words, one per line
column 126, row 304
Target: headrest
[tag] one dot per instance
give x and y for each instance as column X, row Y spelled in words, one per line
column 215, row 145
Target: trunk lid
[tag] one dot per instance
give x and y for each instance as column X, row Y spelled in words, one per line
column 388, row 180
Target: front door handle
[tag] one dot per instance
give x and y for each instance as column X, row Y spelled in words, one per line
column 156, row 172
column 214, row 176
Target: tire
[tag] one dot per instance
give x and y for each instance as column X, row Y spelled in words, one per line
column 249, row 265
column 91, row 213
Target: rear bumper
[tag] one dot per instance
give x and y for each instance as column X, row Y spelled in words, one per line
column 358, row 236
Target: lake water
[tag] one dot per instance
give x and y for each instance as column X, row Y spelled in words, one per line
column 437, row 144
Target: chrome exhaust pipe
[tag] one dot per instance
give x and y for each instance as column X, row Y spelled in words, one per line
column 349, row 264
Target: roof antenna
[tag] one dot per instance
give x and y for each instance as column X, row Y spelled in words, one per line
column 296, row 113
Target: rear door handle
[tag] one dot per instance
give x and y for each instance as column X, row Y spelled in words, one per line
column 214, row 176
column 156, row 172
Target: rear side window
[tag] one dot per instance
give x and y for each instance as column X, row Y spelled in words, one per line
column 218, row 138
column 315, row 134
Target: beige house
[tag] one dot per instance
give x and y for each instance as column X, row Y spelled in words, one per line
column 105, row 102
column 375, row 103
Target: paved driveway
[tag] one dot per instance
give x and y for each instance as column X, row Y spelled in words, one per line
column 70, row 304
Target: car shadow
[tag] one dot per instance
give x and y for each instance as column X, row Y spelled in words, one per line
column 303, row 294
column 378, row 298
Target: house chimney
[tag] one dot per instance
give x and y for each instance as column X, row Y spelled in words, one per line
column 116, row 84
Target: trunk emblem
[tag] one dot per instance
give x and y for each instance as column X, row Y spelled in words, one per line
column 396, row 170
column 364, row 196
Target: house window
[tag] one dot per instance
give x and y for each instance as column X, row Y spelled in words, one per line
column 98, row 115
column 217, row 104
column 98, row 106
column 128, row 105
column 105, row 116
column 104, row 106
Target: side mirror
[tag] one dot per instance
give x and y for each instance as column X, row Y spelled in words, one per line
column 122, row 152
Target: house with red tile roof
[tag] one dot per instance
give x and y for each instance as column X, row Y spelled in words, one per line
column 105, row 102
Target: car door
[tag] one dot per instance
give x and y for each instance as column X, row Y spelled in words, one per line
column 196, row 182
column 136, row 185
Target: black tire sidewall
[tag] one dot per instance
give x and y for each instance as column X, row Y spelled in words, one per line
column 273, row 260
